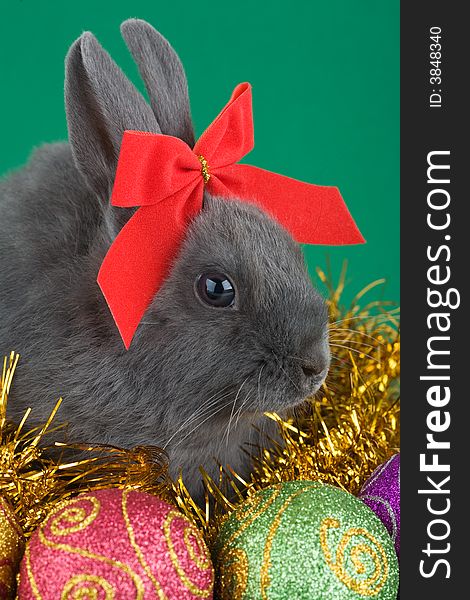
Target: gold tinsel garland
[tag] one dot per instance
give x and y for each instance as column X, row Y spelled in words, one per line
column 340, row 436
column 35, row 477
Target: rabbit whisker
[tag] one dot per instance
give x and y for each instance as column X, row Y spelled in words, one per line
column 236, row 416
column 245, row 402
column 202, row 422
column 340, row 360
column 386, row 317
column 238, row 413
column 348, row 341
column 295, row 357
column 259, row 381
column 200, row 410
column 227, row 431
column 265, row 394
column 356, row 351
column 356, row 331
column 205, row 407
column 261, row 401
column 284, row 371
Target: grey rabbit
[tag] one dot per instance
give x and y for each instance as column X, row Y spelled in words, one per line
column 237, row 328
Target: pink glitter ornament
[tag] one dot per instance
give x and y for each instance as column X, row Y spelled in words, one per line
column 381, row 493
column 116, row 544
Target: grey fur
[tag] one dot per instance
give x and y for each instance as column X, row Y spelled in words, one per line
column 229, row 364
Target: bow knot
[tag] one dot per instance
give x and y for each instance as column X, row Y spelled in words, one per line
column 204, row 168
column 165, row 178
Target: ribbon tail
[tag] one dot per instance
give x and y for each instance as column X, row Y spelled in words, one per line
column 313, row 214
column 142, row 255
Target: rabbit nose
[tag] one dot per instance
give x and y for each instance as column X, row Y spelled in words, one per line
column 312, row 370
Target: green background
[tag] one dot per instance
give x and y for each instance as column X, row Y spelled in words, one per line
column 325, row 81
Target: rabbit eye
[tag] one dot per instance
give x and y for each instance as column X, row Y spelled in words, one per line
column 215, row 289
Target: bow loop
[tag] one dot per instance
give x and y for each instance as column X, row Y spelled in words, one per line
column 230, row 136
column 152, row 167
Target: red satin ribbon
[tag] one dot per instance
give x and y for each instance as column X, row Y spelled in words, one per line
column 164, row 177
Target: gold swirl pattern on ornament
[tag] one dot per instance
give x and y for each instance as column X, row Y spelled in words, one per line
column 29, row 571
column 77, row 518
column 88, row 592
column 193, row 588
column 234, row 575
column 137, row 581
column 372, row 584
column 201, row 557
column 130, row 532
column 253, row 508
column 266, row 564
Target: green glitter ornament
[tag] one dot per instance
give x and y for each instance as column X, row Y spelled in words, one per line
column 304, row 540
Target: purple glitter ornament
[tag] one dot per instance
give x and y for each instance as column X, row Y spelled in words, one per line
column 381, row 493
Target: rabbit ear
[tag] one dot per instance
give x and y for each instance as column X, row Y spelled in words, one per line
column 164, row 78
column 100, row 103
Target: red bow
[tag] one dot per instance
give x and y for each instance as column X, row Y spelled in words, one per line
column 163, row 176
